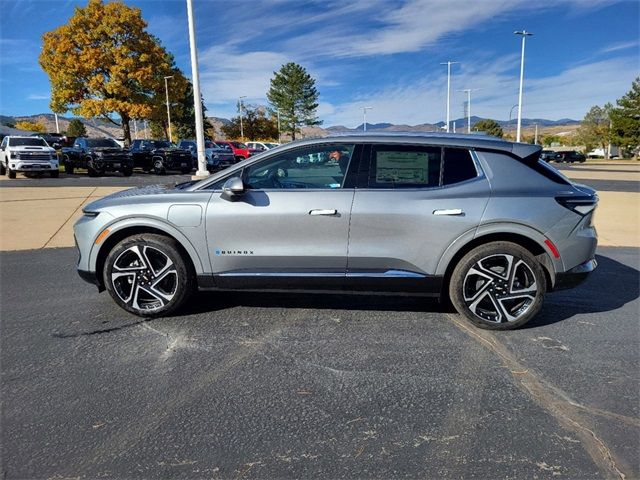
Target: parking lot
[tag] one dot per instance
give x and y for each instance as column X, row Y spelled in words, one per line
column 288, row 385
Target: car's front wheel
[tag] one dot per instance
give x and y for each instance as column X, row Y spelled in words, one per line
column 158, row 167
column 148, row 275
column 498, row 286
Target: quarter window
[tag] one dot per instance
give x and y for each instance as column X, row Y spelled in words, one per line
column 458, row 166
column 404, row 166
column 317, row 167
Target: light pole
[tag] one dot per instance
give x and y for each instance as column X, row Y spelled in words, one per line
column 364, row 116
column 468, row 91
column 535, row 138
column 197, row 102
column 448, row 64
column 240, row 107
column 166, row 91
column 57, row 125
column 135, row 128
column 524, row 34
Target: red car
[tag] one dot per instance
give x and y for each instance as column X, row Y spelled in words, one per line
column 239, row 149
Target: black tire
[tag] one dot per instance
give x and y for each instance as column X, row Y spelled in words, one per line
column 185, row 171
column 158, row 167
column 478, row 286
column 55, row 174
column 68, row 168
column 11, row 173
column 140, row 296
column 3, row 169
column 127, row 172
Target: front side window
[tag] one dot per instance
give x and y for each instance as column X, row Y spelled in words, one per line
column 317, row 167
column 404, row 166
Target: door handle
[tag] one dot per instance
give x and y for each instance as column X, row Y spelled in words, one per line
column 449, row 211
column 323, row 212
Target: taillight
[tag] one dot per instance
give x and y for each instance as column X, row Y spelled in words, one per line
column 582, row 205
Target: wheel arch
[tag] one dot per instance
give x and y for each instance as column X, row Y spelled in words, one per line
column 532, row 241
column 129, row 227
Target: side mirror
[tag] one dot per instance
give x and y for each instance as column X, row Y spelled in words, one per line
column 56, row 145
column 234, row 187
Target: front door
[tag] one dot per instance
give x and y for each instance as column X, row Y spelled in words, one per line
column 290, row 228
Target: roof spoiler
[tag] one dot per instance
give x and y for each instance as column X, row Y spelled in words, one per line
column 526, row 151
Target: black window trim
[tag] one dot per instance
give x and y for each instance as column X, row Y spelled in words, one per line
column 349, row 177
column 363, row 182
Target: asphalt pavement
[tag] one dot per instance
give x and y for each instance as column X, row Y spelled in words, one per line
column 314, row 386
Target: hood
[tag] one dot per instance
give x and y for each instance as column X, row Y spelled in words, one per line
column 108, row 149
column 172, row 150
column 31, row 148
column 132, row 192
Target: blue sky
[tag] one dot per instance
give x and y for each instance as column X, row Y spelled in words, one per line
column 385, row 54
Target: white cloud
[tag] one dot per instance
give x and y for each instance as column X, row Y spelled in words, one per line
column 569, row 94
column 616, row 47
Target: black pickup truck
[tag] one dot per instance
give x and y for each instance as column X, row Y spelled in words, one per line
column 97, row 155
column 160, row 156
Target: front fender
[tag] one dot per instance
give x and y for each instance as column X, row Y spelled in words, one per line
column 141, row 222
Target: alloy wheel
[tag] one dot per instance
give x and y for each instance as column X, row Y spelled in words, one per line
column 144, row 278
column 500, row 288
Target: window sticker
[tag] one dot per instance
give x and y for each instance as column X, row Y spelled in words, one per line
column 402, row 167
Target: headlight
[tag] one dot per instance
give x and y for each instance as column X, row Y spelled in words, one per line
column 14, row 155
column 98, row 154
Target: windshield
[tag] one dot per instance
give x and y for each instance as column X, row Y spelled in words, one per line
column 238, row 144
column 101, row 143
column 31, row 142
column 161, row 144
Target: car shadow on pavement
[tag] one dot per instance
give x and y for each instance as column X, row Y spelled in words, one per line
column 207, row 302
column 611, row 286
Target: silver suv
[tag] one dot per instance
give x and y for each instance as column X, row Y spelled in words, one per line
column 471, row 218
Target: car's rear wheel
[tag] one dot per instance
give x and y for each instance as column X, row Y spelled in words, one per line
column 148, row 275
column 498, row 286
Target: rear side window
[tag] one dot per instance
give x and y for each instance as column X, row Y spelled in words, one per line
column 404, row 166
column 458, row 166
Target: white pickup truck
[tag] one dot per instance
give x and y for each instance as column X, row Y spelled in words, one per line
column 27, row 154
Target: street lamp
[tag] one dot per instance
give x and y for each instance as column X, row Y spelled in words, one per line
column 240, row 106
column 524, row 34
column 197, row 98
column 468, row 91
column 364, row 115
column 166, row 91
column 448, row 64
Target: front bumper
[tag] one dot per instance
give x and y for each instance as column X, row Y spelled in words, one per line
column 575, row 276
column 26, row 166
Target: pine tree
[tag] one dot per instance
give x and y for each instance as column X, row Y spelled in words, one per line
column 293, row 93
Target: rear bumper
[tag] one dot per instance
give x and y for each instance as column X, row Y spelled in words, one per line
column 575, row 276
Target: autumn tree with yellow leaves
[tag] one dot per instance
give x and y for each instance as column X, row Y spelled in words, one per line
column 103, row 61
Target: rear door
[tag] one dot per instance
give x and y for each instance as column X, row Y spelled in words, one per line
column 413, row 202
column 290, row 228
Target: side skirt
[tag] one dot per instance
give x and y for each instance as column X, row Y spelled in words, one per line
column 390, row 283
